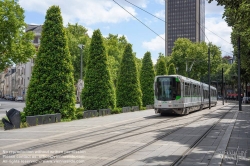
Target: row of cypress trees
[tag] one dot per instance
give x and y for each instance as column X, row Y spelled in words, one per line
column 98, row 90
column 51, row 88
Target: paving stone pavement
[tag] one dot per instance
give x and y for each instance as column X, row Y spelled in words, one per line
column 227, row 144
column 98, row 141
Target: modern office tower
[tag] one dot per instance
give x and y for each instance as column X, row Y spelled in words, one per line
column 184, row 19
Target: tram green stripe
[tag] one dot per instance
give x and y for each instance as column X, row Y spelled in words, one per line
column 177, row 97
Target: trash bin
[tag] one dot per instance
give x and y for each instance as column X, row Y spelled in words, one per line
column 7, row 124
column 14, row 117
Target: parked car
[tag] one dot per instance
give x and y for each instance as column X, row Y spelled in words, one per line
column 245, row 99
column 219, row 97
column 11, row 98
column 19, row 98
column 6, row 97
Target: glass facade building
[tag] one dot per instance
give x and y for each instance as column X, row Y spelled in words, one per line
column 184, row 19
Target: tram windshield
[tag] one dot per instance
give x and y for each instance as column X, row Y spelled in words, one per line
column 167, row 88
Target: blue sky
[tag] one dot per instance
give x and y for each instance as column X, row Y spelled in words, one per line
column 107, row 16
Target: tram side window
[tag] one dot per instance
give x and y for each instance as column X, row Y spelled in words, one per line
column 186, row 89
column 195, row 91
column 178, row 89
column 205, row 94
column 199, row 91
column 192, row 89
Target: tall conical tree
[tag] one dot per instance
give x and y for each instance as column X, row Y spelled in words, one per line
column 147, row 80
column 128, row 92
column 171, row 69
column 51, row 88
column 161, row 68
column 98, row 92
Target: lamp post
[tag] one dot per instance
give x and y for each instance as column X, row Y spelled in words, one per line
column 222, row 77
column 209, row 97
column 239, row 86
column 177, row 70
column 81, row 46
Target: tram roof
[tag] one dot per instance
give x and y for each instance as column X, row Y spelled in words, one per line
column 185, row 79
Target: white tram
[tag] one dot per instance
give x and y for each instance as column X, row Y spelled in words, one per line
column 181, row 95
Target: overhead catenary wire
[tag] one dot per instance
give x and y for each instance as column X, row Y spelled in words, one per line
column 165, row 22
column 208, row 40
column 139, row 21
column 145, row 11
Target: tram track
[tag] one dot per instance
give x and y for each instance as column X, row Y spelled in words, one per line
column 117, row 137
column 188, row 151
column 91, row 134
column 167, row 134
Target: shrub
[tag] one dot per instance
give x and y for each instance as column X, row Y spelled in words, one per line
column 161, row 68
column 147, row 79
column 98, row 92
column 116, row 110
column 171, row 69
column 24, row 124
column 51, row 88
column 23, row 117
column 128, row 90
column 79, row 112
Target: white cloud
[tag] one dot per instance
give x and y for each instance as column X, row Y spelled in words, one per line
column 126, row 37
column 215, row 24
column 86, row 12
column 212, row 8
column 220, row 28
column 90, row 31
column 162, row 2
column 160, row 14
column 106, row 27
column 156, row 44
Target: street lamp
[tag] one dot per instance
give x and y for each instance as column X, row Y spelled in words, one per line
column 81, row 46
column 239, row 83
column 209, row 95
column 177, row 70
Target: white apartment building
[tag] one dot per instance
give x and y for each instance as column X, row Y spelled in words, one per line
column 8, row 82
column 23, row 75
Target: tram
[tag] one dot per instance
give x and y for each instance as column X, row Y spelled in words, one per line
column 181, row 95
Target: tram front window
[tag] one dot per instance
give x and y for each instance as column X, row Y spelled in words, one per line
column 166, row 88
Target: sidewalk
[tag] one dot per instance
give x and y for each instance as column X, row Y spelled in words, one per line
column 238, row 147
column 227, row 144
